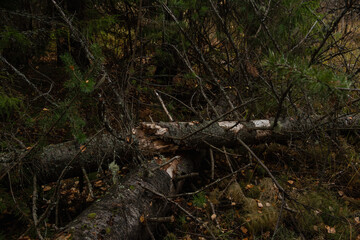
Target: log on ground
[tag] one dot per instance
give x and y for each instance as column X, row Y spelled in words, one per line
column 122, row 212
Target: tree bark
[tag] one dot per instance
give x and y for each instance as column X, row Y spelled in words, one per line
column 167, row 138
column 123, row 212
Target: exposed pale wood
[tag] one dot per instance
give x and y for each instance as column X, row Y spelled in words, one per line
column 167, row 138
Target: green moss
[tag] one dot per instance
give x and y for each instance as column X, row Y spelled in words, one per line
column 92, row 215
column 326, row 212
column 170, row 236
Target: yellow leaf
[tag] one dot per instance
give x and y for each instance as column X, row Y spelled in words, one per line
column 291, row 182
column 45, row 109
column 46, row 188
column 142, row 219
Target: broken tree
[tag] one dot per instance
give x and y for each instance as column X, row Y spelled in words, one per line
column 120, row 212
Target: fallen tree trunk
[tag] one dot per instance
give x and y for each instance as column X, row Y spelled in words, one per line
column 127, row 206
column 117, row 215
column 52, row 159
column 168, row 137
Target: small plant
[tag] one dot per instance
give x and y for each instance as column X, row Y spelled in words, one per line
column 114, row 168
column 199, row 200
column 170, row 236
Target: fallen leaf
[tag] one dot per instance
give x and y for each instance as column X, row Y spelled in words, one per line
column 341, row 193
column 330, row 230
column 266, row 235
column 98, row 183
column 244, row 229
column 291, row 182
column 260, row 205
column 213, row 217
column 357, row 220
column 64, row 237
column 46, row 188
column 142, row 218
column 82, row 148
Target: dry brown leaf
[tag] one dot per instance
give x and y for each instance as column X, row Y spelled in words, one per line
column 330, row 230
column 244, row 229
column 82, row 148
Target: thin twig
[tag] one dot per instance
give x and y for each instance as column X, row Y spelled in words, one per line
column 180, row 207
column 45, row 95
column 214, row 214
column 210, row 184
column 329, row 33
column 149, row 231
column 263, row 165
column 181, row 102
column 163, row 106
column 219, row 150
column 227, row 159
column 34, row 207
column 212, row 164
column 201, row 55
column 280, row 214
column 213, row 121
column 88, row 182
column 166, row 163
column 56, row 193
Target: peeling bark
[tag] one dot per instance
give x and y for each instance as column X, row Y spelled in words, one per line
column 169, row 137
